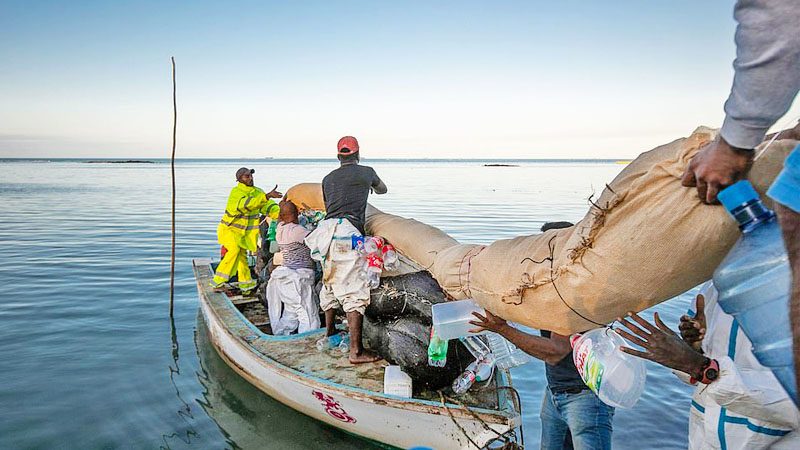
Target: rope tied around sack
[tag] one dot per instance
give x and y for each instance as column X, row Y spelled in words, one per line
column 552, row 281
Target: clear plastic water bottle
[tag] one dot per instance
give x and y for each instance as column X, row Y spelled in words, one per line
column 437, row 350
column 330, row 342
column 475, row 345
column 754, row 282
column 506, row 354
column 464, row 381
column 344, row 344
column 616, row 377
column 372, row 244
column 373, row 270
column 389, row 257
column 373, row 277
column 479, row 370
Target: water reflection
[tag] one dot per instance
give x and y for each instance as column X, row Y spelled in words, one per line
column 256, row 420
column 185, row 411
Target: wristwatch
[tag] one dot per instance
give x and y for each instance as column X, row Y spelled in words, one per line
column 709, row 374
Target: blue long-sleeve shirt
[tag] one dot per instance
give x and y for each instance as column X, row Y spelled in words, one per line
column 767, row 69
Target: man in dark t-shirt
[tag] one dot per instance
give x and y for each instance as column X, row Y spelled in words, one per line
column 573, row 417
column 345, row 191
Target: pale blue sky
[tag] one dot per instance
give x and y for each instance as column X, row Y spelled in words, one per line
column 409, row 79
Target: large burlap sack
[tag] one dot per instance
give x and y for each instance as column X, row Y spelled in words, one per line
column 306, row 196
column 644, row 240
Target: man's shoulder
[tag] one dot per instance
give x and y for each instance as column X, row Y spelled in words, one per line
column 332, row 174
column 237, row 191
column 366, row 168
column 365, row 171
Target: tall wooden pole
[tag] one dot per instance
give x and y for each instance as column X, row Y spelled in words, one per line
column 174, row 132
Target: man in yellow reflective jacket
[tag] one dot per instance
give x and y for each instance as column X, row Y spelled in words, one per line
column 238, row 229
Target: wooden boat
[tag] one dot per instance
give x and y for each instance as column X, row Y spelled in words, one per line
column 326, row 387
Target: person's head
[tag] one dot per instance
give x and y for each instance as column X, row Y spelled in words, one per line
column 347, row 150
column 288, row 213
column 245, row 176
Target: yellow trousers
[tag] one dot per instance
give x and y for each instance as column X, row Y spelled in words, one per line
column 234, row 262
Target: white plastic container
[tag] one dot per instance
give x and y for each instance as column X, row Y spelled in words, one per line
column 451, row 319
column 616, row 377
column 396, row 382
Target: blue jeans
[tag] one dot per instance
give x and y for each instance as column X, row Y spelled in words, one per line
column 575, row 421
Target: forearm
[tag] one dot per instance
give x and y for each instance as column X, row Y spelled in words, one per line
column 790, row 225
column 766, row 78
column 380, row 188
column 271, row 209
column 547, row 349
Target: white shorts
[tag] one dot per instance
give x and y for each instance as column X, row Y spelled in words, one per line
column 343, row 281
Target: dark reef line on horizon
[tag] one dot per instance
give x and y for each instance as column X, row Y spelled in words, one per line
column 127, row 161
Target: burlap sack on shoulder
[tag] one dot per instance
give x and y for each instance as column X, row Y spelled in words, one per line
column 644, row 240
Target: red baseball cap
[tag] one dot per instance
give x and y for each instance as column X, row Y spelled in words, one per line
column 347, row 146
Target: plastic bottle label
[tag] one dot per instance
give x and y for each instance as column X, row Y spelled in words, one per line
column 589, row 367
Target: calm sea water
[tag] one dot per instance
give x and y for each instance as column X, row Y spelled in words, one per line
column 89, row 358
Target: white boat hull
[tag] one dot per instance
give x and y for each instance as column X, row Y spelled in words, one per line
column 387, row 419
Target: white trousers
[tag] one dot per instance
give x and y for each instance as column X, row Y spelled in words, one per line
column 293, row 291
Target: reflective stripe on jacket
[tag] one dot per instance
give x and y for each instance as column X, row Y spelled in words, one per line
column 242, row 212
column 746, row 407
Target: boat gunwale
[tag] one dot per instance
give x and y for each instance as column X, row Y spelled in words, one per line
column 507, row 413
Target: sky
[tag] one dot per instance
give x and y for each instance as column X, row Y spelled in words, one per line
column 514, row 79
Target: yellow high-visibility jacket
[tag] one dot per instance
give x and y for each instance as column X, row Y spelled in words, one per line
column 245, row 205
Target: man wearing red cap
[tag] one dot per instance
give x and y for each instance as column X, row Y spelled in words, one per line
column 345, row 191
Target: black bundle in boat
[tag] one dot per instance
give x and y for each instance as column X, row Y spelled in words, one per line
column 397, row 326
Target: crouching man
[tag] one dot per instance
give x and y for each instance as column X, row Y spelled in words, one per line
column 291, row 285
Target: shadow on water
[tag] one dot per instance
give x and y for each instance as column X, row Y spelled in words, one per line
column 248, row 418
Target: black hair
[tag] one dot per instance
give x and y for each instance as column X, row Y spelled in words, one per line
column 353, row 157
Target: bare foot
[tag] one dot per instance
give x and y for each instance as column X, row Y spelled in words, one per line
column 365, row 356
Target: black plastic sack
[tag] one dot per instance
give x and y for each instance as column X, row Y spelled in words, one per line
column 397, row 326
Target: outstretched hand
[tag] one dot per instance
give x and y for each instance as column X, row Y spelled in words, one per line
column 716, row 166
column 661, row 345
column 274, row 193
column 489, row 322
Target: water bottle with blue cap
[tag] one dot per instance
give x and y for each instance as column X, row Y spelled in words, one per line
column 754, row 282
